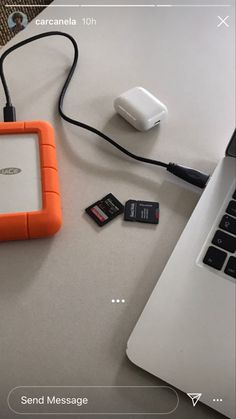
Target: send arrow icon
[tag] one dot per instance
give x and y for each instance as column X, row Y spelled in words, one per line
column 194, row 397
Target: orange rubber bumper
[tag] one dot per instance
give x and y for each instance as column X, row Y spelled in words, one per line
column 48, row 220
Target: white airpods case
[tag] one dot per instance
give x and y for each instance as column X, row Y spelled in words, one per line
column 140, row 108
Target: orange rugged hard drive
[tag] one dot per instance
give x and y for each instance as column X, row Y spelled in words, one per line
column 30, row 204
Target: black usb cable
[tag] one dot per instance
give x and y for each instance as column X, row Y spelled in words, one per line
column 192, row 176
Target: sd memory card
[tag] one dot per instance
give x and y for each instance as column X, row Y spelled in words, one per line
column 105, row 210
column 142, row 211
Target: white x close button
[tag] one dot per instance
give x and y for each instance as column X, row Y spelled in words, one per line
column 223, row 21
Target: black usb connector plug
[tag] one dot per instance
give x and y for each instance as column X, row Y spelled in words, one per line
column 9, row 113
column 195, row 177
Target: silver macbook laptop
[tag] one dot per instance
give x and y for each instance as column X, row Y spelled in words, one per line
column 186, row 333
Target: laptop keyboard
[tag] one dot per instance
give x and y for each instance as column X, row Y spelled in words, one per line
column 221, row 254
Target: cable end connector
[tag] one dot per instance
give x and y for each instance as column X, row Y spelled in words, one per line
column 195, row 177
column 9, row 113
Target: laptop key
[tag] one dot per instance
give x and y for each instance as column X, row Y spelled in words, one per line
column 215, row 258
column 224, row 241
column 228, row 224
column 231, row 209
column 231, row 267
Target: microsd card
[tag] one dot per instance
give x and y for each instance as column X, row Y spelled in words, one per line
column 142, row 211
column 105, row 210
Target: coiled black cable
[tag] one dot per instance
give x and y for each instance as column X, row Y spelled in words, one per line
column 190, row 175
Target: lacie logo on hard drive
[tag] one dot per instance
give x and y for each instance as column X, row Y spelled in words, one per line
column 10, row 171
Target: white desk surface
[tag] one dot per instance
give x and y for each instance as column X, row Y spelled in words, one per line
column 58, row 325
